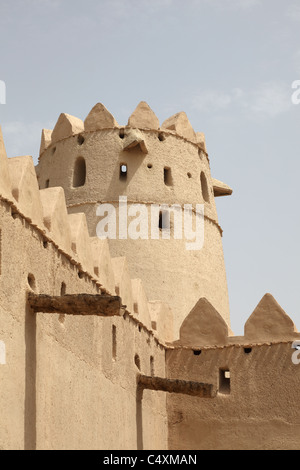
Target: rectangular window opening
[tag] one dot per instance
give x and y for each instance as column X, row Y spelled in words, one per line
column 168, row 176
column 164, row 220
column 123, row 171
column 114, row 342
column 224, row 381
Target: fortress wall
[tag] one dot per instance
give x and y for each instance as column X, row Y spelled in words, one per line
column 67, row 380
column 255, row 377
column 61, row 387
column 99, row 407
column 260, row 412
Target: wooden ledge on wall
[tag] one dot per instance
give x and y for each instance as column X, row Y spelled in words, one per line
column 77, row 304
column 187, row 387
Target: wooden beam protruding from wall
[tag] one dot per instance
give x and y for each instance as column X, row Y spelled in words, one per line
column 186, row 387
column 77, row 304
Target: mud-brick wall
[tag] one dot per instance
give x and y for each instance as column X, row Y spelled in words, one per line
column 69, row 382
column 257, row 405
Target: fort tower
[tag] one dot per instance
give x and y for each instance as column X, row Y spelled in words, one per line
column 97, row 161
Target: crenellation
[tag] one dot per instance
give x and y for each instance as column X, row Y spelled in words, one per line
column 25, row 188
column 46, row 139
column 181, row 125
column 66, row 126
column 56, row 216
column 41, row 235
column 140, row 302
column 5, row 183
column 200, row 139
column 203, row 326
column 80, row 241
column 123, row 281
column 103, row 264
column 269, row 321
column 162, row 320
column 99, row 118
column 143, row 117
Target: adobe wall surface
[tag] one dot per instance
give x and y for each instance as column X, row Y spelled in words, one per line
column 61, row 388
column 262, row 410
column 178, row 276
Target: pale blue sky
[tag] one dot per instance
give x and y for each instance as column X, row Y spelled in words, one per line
column 229, row 64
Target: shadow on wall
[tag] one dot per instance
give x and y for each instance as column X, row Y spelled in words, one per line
column 139, row 418
column 30, row 380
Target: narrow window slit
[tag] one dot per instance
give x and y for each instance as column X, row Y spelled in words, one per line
column 114, row 342
column 164, row 220
column 224, row 381
column 79, row 175
column 168, row 180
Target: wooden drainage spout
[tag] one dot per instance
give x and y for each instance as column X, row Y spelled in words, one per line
column 77, row 304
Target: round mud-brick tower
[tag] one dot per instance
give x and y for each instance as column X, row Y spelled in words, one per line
column 97, row 161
